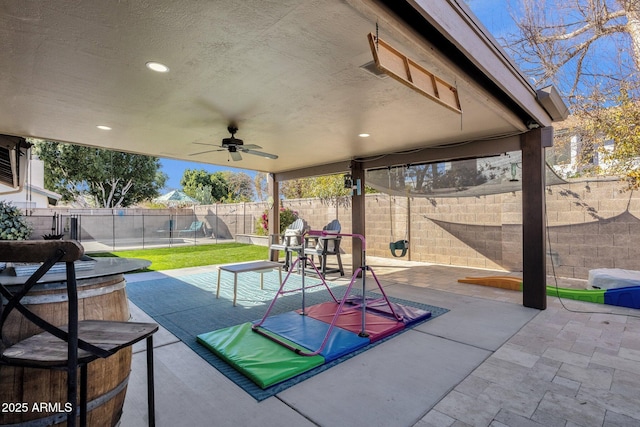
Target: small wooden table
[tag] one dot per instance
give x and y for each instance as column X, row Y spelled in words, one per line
column 257, row 266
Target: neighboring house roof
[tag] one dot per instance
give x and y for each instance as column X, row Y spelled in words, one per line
column 43, row 192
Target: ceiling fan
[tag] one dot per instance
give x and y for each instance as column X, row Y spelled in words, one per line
column 235, row 146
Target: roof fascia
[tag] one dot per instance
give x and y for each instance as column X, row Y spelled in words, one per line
column 451, row 27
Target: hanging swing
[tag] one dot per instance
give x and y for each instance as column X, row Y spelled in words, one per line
column 398, row 248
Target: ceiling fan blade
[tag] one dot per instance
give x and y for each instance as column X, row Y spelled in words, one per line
column 261, row 154
column 206, row 143
column 250, row 146
column 204, row 152
column 235, row 156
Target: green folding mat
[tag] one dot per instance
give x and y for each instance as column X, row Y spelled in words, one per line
column 589, row 295
column 263, row 361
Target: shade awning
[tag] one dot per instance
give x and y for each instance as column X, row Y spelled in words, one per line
column 462, row 178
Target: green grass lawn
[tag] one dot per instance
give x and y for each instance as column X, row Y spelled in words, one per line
column 193, row 256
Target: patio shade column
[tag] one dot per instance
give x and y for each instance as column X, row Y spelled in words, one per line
column 273, row 214
column 357, row 214
column 534, row 262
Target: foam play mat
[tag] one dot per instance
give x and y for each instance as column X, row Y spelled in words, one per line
column 282, row 346
column 310, row 334
column 197, row 311
column 260, row 359
column 286, row 345
column 607, row 286
column 376, row 327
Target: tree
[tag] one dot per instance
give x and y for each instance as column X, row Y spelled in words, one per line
column 98, row 177
column 222, row 186
column 590, row 49
column 240, row 187
column 579, row 45
column 425, row 179
column 622, row 125
column 328, row 188
column 260, row 185
column 193, row 182
column 609, row 138
column 204, row 195
column 297, row 188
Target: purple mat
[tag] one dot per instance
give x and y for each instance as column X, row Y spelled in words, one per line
column 409, row 315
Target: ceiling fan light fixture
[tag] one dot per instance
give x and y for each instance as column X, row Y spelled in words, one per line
column 231, row 142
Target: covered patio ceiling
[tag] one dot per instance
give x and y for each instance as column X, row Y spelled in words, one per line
column 288, row 72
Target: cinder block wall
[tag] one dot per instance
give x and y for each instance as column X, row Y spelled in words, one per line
column 591, row 225
column 317, row 214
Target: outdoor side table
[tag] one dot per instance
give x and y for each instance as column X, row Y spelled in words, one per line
column 256, row 266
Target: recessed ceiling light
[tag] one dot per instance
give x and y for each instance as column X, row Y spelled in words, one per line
column 364, row 135
column 158, row 67
column 103, row 127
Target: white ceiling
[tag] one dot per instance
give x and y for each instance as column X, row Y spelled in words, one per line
column 287, row 71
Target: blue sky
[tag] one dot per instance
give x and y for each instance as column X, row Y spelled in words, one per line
column 175, row 169
column 494, row 14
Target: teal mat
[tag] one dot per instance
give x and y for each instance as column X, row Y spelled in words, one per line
column 187, row 306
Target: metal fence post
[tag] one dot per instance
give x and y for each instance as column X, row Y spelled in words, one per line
column 73, row 228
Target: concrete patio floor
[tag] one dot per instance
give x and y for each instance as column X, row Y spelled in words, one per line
column 489, row 361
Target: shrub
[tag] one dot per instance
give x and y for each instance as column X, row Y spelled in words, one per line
column 13, row 225
column 287, row 216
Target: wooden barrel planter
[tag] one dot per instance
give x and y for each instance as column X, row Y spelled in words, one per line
column 38, row 396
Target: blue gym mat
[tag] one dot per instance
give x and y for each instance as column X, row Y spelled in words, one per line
column 309, row 333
